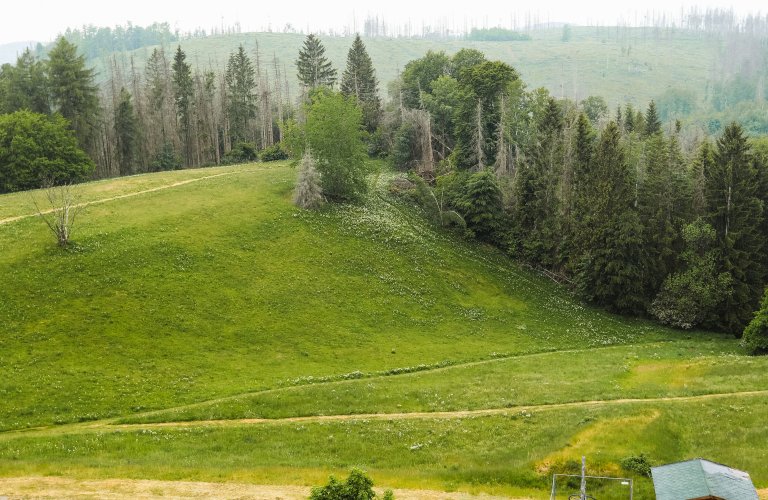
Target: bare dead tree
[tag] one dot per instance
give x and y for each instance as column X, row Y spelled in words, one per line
column 308, row 193
column 479, row 139
column 61, row 211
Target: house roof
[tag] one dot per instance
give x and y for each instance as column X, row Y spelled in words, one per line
column 699, row 478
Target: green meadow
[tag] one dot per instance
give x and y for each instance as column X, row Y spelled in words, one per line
column 201, row 327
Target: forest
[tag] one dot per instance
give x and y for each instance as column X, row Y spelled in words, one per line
column 612, row 203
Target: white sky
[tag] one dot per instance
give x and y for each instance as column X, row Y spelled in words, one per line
column 42, row 20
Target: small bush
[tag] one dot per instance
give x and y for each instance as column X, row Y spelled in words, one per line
column 274, row 152
column 241, row 152
column 358, row 486
column 637, row 463
column 165, row 159
column 755, row 338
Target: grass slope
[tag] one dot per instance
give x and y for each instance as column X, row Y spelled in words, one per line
column 219, row 299
column 622, row 65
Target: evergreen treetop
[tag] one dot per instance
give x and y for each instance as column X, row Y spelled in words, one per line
column 240, row 79
column 652, row 122
column 314, row 69
column 74, row 93
column 359, row 81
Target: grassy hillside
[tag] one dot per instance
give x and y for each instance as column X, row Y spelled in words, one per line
column 197, row 301
column 622, row 65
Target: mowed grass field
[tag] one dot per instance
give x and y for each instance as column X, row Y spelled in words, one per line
column 203, row 328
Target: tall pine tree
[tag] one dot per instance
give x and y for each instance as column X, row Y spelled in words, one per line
column 126, row 134
column 736, row 213
column 611, row 270
column 314, row 69
column 241, row 98
column 24, row 86
column 73, row 91
column 359, row 81
column 183, row 94
column 584, row 189
column 537, row 203
column 652, row 122
column 664, row 207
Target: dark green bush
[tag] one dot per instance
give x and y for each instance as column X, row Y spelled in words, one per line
column 639, row 464
column 358, row 486
column 165, row 159
column 241, row 152
column 274, row 152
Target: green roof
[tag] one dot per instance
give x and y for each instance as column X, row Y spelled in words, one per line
column 700, row 478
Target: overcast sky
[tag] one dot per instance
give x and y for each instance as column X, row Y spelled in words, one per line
column 42, row 20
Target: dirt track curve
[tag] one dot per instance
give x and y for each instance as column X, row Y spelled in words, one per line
column 121, row 196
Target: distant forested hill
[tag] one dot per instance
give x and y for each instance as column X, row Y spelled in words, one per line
column 620, row 64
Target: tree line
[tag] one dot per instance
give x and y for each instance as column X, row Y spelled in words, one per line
column 169, row 114
column 610, row 204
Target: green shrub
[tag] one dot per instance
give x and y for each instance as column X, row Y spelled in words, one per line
column 755, row 338
column 637, row 463
column 165, row 159
column 274, row 152
column 242, row 152
column 358, row 486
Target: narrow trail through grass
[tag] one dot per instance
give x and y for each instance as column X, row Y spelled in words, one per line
column 8, row 220
column 443, row 414
column 113, row 424
column 406, row 372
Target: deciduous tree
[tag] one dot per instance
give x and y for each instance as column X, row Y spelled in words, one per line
column 334, row 136
column 36, row 149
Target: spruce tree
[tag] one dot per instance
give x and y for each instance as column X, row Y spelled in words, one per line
column 652, row 122
column 736, row 212
column 126, row 134
column 359, row 81
column 612, row 267
column 664, row 207
column 74, row 93
column 629, row 118
column 481, row 206
column 24, row 86
column 537, row 208
column 314, row 69
column 183, row 93
column 241, row 99
column 584, row 186
column 702, row 163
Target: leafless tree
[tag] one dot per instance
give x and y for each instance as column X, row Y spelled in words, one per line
column 60, row 211
column 308, row 192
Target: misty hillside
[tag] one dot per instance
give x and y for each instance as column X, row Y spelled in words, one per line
column 620, row 64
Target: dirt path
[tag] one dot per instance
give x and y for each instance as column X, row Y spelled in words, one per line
column 106, row 425
column 127, row 195
column 380, row 375
column 65, row 488
column 430, row 415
